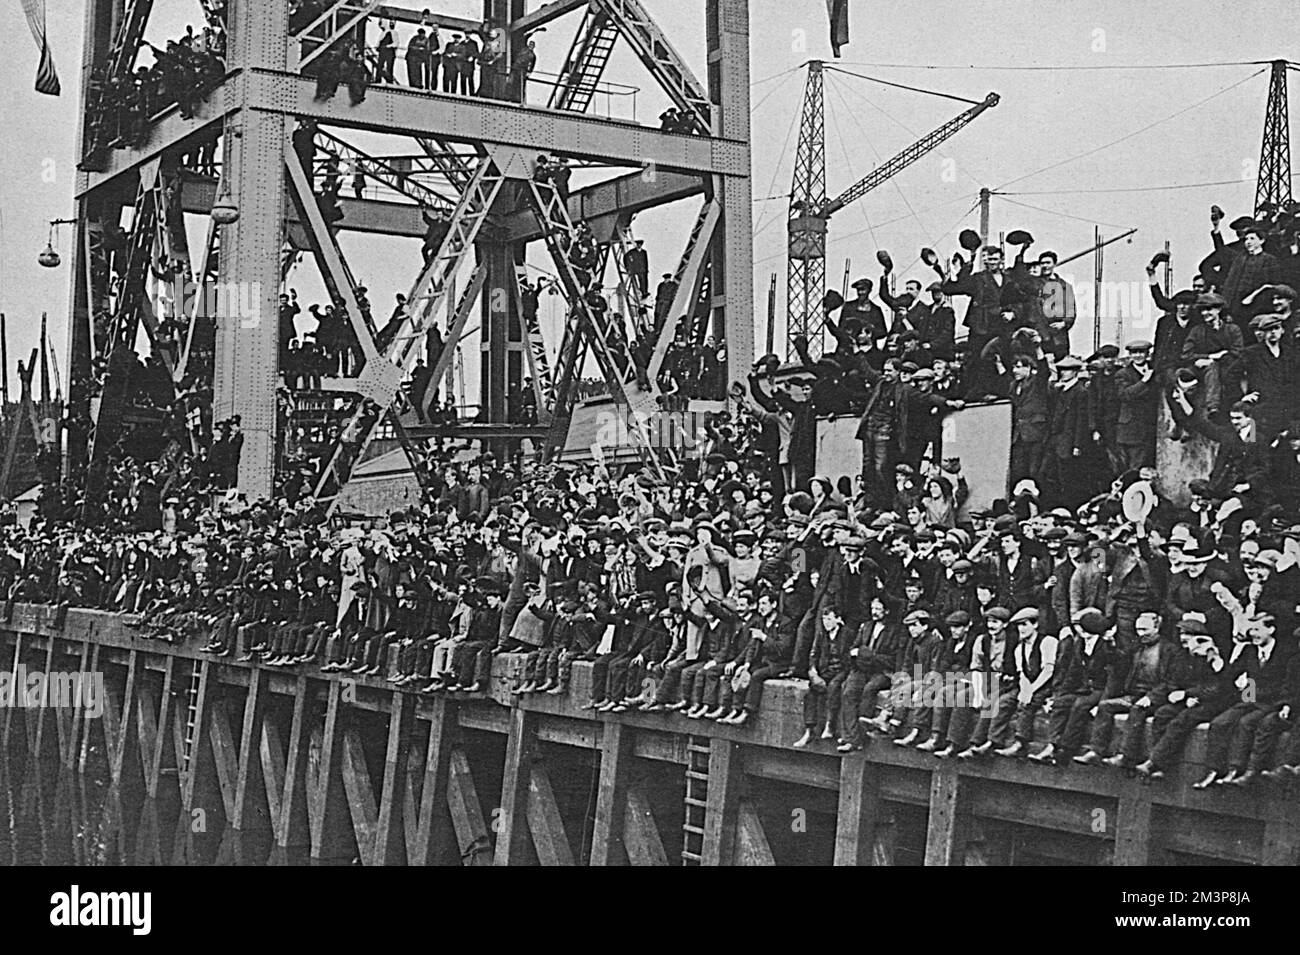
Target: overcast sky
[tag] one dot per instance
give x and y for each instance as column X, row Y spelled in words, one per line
column 1169, row 127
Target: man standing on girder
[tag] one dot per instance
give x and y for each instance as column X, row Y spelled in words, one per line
column 417, row 60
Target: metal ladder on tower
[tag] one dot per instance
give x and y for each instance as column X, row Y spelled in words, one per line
column 630, row 292
column 539, row 365
column 585, row 64
column 652, row 46
column 697, row 799
column 331, row 26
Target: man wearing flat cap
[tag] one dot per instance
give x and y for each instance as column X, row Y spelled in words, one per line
column 1069, row 436
column 1249, row 272
column 1035, row 663
column 1138, row 391
column 1172, row 329
column 1270, row 370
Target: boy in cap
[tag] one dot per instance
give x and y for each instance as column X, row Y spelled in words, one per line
column 993, row 672
column 827, row 671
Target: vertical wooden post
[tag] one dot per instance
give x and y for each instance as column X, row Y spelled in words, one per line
column 521, row 749
column 390, row 841
column 292, row 829
column 433, row 791
column 859, row 811
column 332, row 839
column 252, row 809
column 720, row 815
column 941, row 834
column 607, row 837
column 1133, row 825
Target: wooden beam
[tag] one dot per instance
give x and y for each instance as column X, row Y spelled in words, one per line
column 292, row 828
column 941, row 835
column 859, row 811
column 360, row 793
column 390, row 843
column 725, row 777
column 607, row 839
column 752, row 847
column 512, row 842
column 640, row 833
column 225, row 755
column 1133, row 825
column 545, row 822
column 472, row 834
column 252, row 808
column 331, row 837
column 434, row 794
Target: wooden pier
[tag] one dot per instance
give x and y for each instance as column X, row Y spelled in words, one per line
column 260, row 764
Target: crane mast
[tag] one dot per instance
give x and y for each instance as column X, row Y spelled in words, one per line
column 810, row 210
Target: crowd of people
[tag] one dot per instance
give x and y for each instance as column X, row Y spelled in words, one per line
column 1041, row 618
column 182, row 73
column 896, row 609
column 1221, row 364
column 468, row 63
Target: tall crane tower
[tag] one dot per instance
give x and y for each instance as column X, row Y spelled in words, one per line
column 811, row 210
column 1274, row 185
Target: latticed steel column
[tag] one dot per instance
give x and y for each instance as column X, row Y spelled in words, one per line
column 1274, row 185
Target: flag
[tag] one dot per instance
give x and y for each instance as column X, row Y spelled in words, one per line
column 47, row 78
column 839, row 14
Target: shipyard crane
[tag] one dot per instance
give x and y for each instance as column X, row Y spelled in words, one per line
column 811, row 210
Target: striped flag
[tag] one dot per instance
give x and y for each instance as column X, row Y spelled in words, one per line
column 47, row 78
column 839, row 14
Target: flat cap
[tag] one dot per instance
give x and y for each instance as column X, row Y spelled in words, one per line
column 1025, row 613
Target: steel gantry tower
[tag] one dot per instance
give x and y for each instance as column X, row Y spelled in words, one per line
column 212, row 313
column 1274, row 184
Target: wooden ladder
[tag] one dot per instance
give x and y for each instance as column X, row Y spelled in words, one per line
column 697, row 799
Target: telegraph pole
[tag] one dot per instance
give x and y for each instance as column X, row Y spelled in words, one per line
column 985, row 195
column 771, row 316
column 1098, row 258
